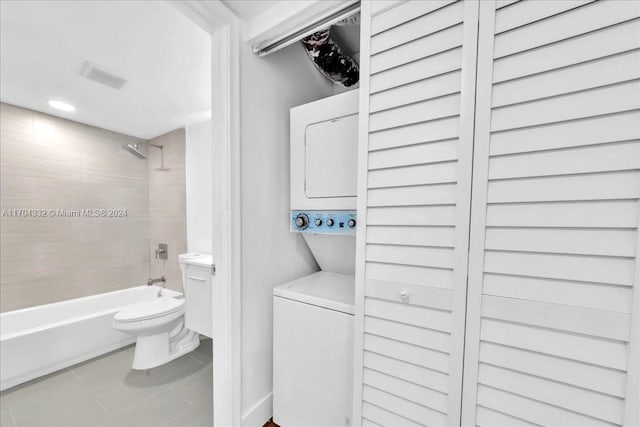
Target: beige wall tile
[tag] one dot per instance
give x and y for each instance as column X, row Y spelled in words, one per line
column 167, row 205
column 52, row 163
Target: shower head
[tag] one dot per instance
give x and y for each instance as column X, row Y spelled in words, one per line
column 133, row 149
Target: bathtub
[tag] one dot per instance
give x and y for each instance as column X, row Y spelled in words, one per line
column 39, row 340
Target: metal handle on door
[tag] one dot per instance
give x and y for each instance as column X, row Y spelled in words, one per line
column 197, row 278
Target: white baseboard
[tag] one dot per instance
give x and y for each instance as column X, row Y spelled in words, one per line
column 260, row 413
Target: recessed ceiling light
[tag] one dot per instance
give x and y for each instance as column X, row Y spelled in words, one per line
column 60, row 105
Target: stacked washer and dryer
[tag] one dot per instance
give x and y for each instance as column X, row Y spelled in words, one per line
column 313, row 316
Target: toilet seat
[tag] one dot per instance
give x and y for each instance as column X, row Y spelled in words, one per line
column 147, row 310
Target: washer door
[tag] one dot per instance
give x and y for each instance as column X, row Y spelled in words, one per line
column 312, row 365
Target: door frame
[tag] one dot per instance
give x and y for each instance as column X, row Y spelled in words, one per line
column 224, row 28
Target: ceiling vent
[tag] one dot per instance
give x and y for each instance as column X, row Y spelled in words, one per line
column 100, row 75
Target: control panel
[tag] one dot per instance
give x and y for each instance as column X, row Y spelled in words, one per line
column 324, row 222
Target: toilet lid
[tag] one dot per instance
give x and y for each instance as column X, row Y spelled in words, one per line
column 149, row 309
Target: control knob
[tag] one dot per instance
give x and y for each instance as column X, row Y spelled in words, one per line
column 302, row 221
column 318, row 222
column 330, row 222
column 352, row 223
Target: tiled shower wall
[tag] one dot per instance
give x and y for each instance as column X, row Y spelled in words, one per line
column 51, row 163
column 168, row 205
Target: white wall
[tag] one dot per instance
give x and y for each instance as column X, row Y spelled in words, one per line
column 199, row 187
column 271, row 254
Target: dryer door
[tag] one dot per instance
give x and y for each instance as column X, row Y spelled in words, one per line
column 331, row 156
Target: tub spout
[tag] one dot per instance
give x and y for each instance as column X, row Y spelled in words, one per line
column 161, row 279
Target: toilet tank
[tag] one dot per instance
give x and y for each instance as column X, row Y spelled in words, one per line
column 197, row 274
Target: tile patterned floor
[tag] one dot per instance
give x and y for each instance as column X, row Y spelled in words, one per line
column 105, row 391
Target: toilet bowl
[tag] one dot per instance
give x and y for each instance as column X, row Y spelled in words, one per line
column 159, row 327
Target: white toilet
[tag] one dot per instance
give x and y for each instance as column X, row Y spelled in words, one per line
column 159, row 325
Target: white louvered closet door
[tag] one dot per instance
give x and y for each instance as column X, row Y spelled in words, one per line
column 417, row 95
column 553, row 278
